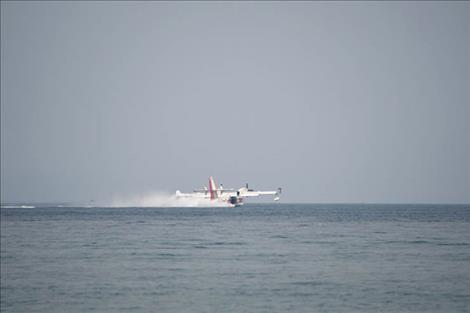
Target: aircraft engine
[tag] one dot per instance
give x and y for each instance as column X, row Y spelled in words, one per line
column 233, row 200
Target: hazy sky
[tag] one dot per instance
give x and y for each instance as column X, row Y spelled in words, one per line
column 335, row 102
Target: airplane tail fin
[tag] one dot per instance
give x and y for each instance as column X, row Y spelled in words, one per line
column 212, row 188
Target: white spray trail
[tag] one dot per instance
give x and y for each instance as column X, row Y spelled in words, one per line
column 160, row 199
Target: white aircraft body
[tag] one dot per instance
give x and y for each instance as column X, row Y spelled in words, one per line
column 231, row 197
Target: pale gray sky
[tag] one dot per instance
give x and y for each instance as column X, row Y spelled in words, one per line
column 335, row 102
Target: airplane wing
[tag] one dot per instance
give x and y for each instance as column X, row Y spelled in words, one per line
column 221, row 190
column 257, row 193
column 253, row 193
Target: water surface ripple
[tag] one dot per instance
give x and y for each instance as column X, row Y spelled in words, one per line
column 257, row 258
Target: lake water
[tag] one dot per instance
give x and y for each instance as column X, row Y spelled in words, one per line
column 256, row 258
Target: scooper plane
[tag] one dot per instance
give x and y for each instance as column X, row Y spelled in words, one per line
column 231, row 197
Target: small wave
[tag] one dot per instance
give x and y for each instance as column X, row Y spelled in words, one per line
column 407, row 242
column 279, row 237
column 170, row 256
column 224, row 243
column 308, row 283
column 454, row 244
